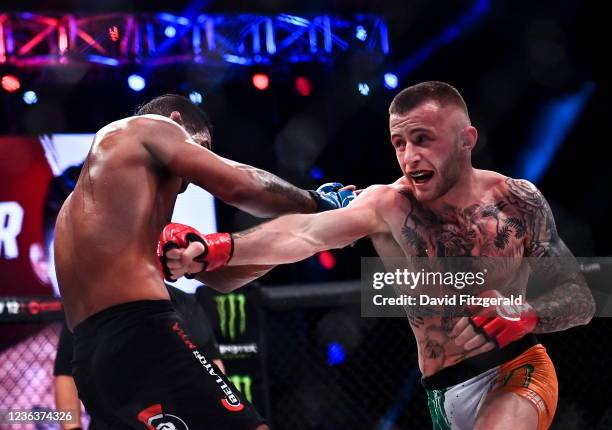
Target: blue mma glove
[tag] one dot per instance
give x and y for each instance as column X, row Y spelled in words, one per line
column 328, row 196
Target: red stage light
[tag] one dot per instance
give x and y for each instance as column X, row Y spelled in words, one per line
column 303, row 86
column 10, row 83
column 113, row 33
column 327, row 260
column 261, row 81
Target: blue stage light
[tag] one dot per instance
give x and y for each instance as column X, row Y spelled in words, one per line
column 391, row 81
column 195, row 97
column 30, row 97
column 316, row 173
column 361, row 33
column 335, row 353
column 136, row 82
column 170, row 31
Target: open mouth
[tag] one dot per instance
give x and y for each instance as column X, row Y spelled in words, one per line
column 421, row 176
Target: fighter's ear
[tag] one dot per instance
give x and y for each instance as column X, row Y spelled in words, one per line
column 176, row 117
column 469, row 137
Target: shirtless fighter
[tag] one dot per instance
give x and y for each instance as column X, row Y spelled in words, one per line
column 134, row 364
column 480, row 371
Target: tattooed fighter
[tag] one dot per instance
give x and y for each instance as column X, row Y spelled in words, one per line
column 480, row 371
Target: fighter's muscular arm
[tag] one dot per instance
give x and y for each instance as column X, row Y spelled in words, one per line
column 253, row 190
column 568, row 302
column 288, row 239
column 292, row 238
column 228, row 278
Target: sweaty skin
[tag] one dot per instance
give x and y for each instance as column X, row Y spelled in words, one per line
column 460, row 211
column 107, row 230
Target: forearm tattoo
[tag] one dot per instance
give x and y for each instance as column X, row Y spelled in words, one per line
column 297, row 199
column 246, row 232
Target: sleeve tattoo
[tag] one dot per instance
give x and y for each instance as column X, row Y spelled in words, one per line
column 567, row 300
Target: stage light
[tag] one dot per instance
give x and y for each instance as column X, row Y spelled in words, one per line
column 303, row 86
column 113, row 33
column 261, row 81
column 335, row 353
column 170, row 31
column 327, row 260
column 316, row 173
column 30, row 97
column 10, row 83
column 391, row 81
column 136, row 82
column 361, row 33
column 552, row 124
column 363, row 88
column 195, row 97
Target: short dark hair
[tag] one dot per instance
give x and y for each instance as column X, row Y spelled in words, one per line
column 413, row 96
column 194, row 119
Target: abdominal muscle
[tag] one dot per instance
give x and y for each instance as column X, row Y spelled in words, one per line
column 436, row 349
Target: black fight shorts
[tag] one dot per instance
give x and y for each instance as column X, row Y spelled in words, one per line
column 136, row 368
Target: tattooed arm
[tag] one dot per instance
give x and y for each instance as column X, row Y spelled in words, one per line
column 228, row 278
column 566, row 301
column 253, row 190
column 292, row 238
column 266, row 195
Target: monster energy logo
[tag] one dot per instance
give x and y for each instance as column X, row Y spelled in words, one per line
column 243, row 384
column 232, row 314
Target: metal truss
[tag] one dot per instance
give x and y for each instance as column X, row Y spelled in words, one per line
column 29, row 39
